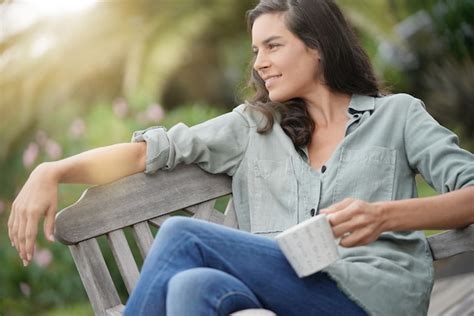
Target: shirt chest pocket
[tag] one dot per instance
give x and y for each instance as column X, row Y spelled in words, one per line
column 366, row 174
column 273, row 198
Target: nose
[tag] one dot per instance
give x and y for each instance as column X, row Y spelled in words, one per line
column 261, row 62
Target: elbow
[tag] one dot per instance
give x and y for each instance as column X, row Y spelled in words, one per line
column 141, row 156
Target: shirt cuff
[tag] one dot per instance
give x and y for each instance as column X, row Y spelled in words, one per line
column 157, row 149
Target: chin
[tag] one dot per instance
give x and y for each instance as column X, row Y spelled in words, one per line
column 275, row 97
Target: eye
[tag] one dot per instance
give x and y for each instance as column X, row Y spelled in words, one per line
column 273, row 45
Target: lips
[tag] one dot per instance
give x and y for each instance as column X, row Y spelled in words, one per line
column 270, row 79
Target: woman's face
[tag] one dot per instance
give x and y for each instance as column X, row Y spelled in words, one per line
column 289, row 68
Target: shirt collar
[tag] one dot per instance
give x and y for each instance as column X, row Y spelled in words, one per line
column 361, row 103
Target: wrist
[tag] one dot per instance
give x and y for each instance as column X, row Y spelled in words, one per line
column 51, row 169
column 385, row 210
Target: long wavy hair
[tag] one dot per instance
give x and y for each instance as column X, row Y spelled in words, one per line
column 346, row 67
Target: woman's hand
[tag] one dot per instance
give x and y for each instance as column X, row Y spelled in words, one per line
column 37, row 198
column 357, row 222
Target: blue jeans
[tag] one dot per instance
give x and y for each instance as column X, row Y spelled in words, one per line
column 200, row 268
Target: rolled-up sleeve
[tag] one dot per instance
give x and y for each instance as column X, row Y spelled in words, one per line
column 434, row 151
column 217, row 145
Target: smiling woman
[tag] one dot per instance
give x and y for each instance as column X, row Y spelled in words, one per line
column 317, row 136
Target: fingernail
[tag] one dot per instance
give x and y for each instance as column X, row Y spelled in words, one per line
column 51, row 238
column 25, row 263
column 13, row 245
column 28, row 256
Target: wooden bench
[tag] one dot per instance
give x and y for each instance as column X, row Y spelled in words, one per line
column 141, row 200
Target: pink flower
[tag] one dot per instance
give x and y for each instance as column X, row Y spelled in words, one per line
column 25, row 289
column 78, row 128
column 53, row 149
column 120, row 108
column 42, row 257
column 30, row 154
column 155, row 113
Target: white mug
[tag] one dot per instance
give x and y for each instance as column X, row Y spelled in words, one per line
column 310, row 245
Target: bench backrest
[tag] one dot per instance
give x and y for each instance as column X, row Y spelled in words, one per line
column 139, row 200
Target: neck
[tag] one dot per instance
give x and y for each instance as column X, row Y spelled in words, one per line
column 327, row 107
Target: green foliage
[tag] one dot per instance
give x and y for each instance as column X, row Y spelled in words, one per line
column 56, row 284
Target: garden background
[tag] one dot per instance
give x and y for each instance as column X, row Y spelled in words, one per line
column 79, row 74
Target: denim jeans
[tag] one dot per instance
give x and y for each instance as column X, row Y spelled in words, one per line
column 200, row 268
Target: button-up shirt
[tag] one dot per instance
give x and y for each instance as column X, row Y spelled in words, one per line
column 388, row 140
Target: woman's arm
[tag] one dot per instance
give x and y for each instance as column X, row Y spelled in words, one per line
column 363, row 222
column 38, row 197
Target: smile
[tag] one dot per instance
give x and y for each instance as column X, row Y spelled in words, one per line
column 270, row 80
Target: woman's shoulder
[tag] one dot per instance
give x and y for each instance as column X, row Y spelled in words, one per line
column 398, row 105
column 253, row 117
column 397, row 100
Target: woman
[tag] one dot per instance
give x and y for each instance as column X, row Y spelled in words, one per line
column 316, row 136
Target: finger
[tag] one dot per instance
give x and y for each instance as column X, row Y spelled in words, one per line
column 337, row 206
column 30, row 235
column 15, row 226
column 343, row 229
column 49, row 221
column 357, row 238
column 10, row 224
column 22, row 238
column 343, row 215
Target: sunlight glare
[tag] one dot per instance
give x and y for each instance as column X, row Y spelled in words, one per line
column 20, row 14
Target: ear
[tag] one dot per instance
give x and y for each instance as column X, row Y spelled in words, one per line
column 316, row 54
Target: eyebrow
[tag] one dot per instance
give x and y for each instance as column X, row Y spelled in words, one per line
column 269, row 39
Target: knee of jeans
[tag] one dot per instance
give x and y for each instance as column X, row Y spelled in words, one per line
column 190, row 281
column 178, row 223
column 175, row 225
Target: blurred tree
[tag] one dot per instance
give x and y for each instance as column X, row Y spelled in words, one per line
column 137, row 49
column 437, row 59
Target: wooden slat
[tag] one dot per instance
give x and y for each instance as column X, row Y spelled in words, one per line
column 452, row 242
column 453, row 293
column 116, row 311
column 206, row 211
column 124, row 258
column 230, row 215
column 95, row 276
column 217, row 217
column 137, row 198
column 202, row 210
column 159, row 220
column 143, row 237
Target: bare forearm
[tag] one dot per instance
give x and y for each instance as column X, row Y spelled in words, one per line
column 446, row 211
column 101, row 165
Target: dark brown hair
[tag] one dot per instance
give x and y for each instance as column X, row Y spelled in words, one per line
column 346, row 67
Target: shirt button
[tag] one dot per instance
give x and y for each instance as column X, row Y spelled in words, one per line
column 323, row 169
column 312, row 212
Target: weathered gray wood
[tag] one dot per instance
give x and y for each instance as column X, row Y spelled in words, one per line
column 453, row 296
column 95, row 276
column 137, row 198
column 452, row 242
column 143, row 237
column 206, row 211
column 230, row 219
column 124, row 258
column 116, row 311
column 158, row 221
column 217, row 217
column 202, row 210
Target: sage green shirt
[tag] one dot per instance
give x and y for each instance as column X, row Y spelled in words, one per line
column 388, row 141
